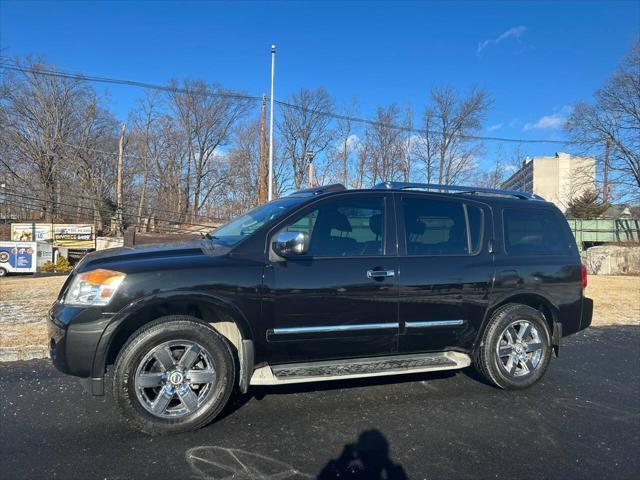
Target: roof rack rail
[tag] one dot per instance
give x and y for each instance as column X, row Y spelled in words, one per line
column 454, row 188
column 335, row 187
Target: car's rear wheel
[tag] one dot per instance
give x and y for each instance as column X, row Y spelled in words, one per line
column 3, row 272
column 174, row 375
column 515, row 350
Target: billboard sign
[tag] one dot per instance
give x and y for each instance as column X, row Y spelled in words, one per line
column 59, row 234
column 73, row 236
column 31, row 232
column 18, row 257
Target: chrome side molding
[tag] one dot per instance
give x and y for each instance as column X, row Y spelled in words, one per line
column 435, row 323
column 334, row 328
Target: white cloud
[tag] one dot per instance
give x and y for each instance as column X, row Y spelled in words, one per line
column 513, row 32
column 554, row 121
column 497, row 126
column 353, row 141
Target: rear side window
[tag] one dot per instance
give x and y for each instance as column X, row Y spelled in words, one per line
column 534, row 232
column 434, row 227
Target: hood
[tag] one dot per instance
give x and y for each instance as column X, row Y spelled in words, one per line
column 190, row 248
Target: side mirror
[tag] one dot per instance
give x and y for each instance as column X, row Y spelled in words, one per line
column 288, row 244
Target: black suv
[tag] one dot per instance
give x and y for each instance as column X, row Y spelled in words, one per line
column 325, row 284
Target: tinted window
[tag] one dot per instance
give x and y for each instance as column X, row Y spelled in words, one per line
column 344, row 227
column 534, row 232
column 434, row 227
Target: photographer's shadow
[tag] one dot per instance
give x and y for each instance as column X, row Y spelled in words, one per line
column 368, row 458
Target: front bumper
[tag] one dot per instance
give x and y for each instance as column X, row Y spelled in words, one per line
column 74, row 335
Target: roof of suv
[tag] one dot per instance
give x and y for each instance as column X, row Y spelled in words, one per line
column 456, row 190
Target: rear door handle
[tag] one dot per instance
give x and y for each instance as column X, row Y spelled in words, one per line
column 380, row 273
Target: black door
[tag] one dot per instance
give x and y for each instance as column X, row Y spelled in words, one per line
column 339, row 299
column 445, row 271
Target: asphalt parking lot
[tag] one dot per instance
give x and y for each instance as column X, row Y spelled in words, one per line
column 582, row 421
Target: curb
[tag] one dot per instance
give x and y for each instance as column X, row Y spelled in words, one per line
column 27, row 352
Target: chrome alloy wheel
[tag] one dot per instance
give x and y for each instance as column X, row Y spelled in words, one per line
column 175, row 378
column 519, row 348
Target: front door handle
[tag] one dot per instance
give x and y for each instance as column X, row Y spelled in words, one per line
column 380, row 273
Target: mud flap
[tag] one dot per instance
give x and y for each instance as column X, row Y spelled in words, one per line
column 93, row 386
column 556, row 338
column 247, row 359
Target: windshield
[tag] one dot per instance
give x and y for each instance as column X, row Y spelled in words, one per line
column 239, row 228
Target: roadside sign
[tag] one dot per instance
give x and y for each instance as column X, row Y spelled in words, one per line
column 59, row 234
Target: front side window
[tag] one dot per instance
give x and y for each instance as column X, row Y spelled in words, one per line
column 435, row 227
column 344, row 227
column 534, row 232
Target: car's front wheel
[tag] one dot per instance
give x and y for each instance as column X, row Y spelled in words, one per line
column 516, row 347
column 174, row 375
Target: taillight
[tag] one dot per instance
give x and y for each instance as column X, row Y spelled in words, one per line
column 583, row 269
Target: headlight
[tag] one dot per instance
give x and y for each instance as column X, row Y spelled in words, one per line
column 95, row 287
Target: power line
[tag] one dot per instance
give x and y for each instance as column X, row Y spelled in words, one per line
column 125, row 205
column 337, row 116
column 30, row 207
column 31, row 202
column 418, row 130
column 117, row 81
column 93, row 210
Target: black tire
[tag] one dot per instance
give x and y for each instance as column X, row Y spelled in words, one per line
column 500, row 371
column 3, row 272
column 176, row 329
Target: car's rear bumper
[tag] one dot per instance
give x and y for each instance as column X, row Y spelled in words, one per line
column 587, row 313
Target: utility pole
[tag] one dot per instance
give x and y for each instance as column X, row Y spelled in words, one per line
column 273, row 71
column 119, row 183
column 310, row 156
column 605, row 174
column 263, row 121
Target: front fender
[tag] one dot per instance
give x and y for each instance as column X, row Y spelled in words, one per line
column 121, row 319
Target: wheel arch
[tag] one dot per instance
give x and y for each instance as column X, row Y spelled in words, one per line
column 534, row 300
column 216, row 312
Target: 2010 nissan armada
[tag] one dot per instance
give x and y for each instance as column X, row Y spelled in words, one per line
column 325, row 284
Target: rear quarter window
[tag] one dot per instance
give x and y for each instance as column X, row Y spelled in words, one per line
column 529, row 231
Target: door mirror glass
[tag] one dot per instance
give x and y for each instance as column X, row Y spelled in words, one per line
column 289, row 244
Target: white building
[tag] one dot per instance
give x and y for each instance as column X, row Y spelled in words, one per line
column 558, row 179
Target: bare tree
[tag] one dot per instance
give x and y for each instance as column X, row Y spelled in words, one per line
column 168, row 179
column 449, row 121
column 506, row 163
column 384, row 146
column 241, row 193
column 362, row 155
column 407, row 149
column 426, row 146
column 55, row 132
column 145, row 142
column 305, row 130
column 207, row 113
column 346, row 143
column 613, row 120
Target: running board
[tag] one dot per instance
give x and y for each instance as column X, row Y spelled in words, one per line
column 358, row 368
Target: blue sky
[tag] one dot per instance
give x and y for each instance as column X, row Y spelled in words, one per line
column 535, row 58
